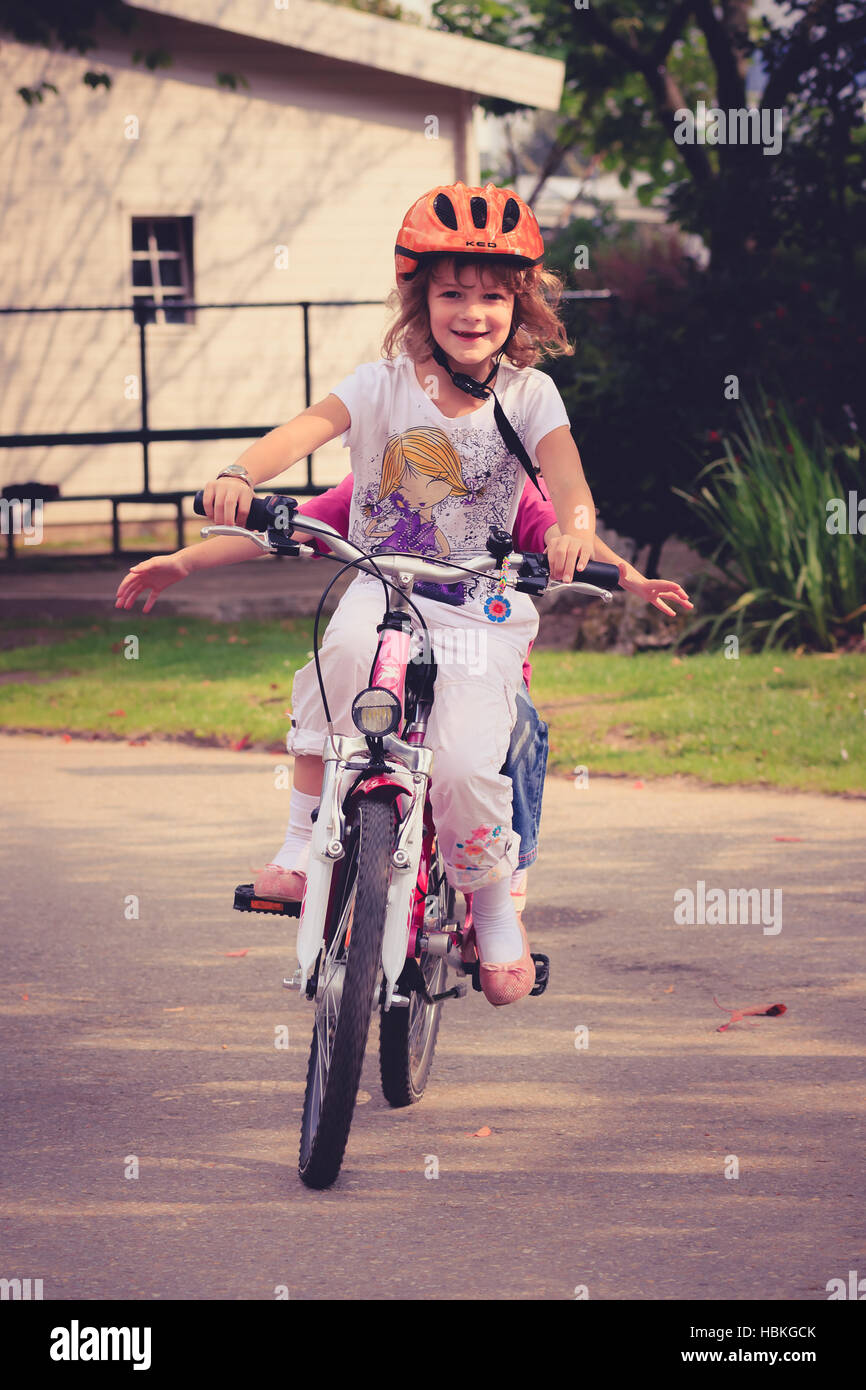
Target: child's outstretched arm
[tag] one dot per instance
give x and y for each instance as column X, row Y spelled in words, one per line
column 160, row 571
column 156, row 574
column 655, row 591
column 572, row 500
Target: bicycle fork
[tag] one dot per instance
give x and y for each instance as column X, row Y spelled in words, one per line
column 407, row 777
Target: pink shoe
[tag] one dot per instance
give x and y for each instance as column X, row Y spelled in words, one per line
column 287, row 885
column 505, row 984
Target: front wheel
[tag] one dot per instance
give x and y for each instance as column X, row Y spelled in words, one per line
column 347, row 976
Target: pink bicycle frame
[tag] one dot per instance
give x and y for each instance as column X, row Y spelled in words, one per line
column 389, row 673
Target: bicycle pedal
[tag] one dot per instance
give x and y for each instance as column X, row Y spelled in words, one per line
column 542, row 973
column 246, row 900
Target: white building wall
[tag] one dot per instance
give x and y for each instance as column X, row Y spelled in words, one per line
column 320, row 157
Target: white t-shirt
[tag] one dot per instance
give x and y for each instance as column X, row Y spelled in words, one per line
column 431, row 484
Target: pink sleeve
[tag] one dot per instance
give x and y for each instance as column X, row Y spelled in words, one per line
column 331, row 506
column 535, row 516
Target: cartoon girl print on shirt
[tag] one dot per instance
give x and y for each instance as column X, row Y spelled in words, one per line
column 420, row 469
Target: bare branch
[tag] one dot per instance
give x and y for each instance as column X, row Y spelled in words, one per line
column 723, row 50
column 671, row 32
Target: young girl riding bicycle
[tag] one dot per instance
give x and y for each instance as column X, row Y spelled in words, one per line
column 443, row 432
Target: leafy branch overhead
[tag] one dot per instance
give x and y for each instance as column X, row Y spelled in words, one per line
column 631, row 65
column 74, row 28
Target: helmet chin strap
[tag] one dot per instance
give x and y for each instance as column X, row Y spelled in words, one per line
column 481, row 390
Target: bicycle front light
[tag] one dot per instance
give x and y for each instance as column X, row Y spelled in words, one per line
column 376, row 711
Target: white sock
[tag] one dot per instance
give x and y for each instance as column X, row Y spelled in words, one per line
column 495, row 922
column 299, row 830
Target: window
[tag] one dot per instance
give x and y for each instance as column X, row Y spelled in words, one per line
column 162, row 271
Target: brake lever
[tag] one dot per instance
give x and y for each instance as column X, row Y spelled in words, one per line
column 533, row 577
column 594, row 590
column 236, row 531
column 283, row 547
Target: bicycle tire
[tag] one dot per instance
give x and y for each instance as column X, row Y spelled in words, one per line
column 340, row 1033
column 408, row 1036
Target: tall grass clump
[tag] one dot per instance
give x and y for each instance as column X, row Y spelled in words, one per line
column 773, row 505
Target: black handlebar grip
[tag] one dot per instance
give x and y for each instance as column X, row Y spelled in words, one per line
column 258, row 517
column 598, row 572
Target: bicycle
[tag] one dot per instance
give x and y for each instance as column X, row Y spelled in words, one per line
column 378, row 923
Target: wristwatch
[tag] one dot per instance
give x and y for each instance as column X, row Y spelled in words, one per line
column 237, row 470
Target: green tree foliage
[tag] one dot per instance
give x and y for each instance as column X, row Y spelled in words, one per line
column 661, row 368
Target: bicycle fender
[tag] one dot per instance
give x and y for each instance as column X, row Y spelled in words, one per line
column 372, row 784
column 320, row 868
column 311, row 927
column 401, row 893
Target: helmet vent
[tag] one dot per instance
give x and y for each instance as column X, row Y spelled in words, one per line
column 510, row 216
column 444, row 209
column 478, row 208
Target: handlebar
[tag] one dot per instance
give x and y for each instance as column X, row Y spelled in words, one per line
column 277, row 514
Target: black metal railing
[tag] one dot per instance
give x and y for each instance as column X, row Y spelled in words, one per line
column 145, row 435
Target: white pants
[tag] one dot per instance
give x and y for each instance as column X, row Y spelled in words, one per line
column 479, row 669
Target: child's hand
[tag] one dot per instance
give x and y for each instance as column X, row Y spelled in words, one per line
column 227, row 501
column 155, row 574
column 655, row 591
column 565, row 553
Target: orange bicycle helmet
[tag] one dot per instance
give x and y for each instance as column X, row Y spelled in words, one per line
column 471, row 221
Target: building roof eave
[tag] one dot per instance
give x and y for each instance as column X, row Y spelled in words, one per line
column 388, row 45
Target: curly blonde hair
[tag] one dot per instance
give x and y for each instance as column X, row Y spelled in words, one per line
column 537, row 292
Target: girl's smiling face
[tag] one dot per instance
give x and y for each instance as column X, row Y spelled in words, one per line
column 419, row 491
column 469, row 317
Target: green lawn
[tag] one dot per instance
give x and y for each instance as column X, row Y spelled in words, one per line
column 782, row 720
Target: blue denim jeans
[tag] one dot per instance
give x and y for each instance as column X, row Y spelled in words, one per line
column 526, row 765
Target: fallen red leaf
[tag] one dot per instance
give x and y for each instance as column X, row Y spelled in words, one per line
column 759, row 1010
column 240, row 743
column 481, row 1133
column 67, row 738
column 637, row 786
column 25, row 997
column 113, row 712
column 179, row 1010
column 238, row 953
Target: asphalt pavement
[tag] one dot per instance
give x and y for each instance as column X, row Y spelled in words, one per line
column 151, row 1118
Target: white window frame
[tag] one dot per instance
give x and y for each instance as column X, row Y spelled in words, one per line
column 159, row 296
